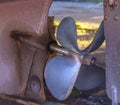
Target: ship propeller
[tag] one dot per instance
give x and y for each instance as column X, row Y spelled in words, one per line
column 67, row 68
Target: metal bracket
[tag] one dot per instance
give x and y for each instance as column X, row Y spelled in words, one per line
column 17, row 101
column 32, row 40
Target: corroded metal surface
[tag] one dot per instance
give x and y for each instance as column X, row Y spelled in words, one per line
column 112, row 34
column 18, row 61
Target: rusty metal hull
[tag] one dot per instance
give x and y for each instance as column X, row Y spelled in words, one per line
column 18, row 61
column 112, row 34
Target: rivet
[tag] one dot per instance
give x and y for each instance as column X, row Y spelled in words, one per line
column 35, row 84
column 116, row 18
column 116, row 4
column 105, row 4
column 105, row 17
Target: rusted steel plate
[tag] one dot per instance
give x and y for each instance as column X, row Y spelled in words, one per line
column 16, row 59
column 112, row 34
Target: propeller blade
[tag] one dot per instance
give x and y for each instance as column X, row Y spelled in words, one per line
column 98, row 40
column 60, row 75
column 67, row 35
column 90, row 77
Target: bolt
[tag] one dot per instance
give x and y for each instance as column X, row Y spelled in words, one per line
column 35, row 84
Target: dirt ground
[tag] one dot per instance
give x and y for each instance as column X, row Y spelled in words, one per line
column 92, row 97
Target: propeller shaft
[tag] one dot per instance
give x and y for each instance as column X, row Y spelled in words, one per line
column 84, row 59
